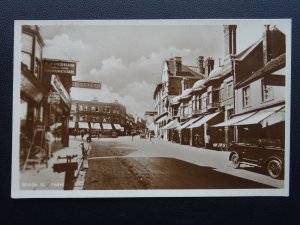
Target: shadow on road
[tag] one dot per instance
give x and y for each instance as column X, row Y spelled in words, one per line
column 159, row 173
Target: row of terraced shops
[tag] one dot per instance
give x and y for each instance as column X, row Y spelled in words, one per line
column 242, row 100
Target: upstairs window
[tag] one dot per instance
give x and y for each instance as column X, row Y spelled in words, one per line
column 229, row 90
column 80, row 108
column 246, row 96
column 27, row 49
column 267, row 91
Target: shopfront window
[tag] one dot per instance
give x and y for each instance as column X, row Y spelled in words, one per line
column 27, row 45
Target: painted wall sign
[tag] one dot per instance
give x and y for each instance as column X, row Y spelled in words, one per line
column 59, row 67
column 83, row 84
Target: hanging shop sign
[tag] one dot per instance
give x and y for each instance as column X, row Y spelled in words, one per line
column 60, row 89
column 53, row 98
column 59, row 67
column 83, row 84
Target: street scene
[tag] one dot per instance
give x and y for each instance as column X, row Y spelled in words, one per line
column 162, row 105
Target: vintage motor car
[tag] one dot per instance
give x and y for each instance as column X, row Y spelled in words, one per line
column 270, row 158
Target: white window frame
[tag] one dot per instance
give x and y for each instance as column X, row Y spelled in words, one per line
column 246, row 92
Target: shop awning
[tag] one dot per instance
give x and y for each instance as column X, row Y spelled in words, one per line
column 162, row 119
column 118, row 126
column 234, row 120
column 203, row 120
column 83, row 125
column 173, row 124
column 106, row 126
column 71, row 124
column 262, row 116
column 96, row 126
column 276, row 117
column 184, row 125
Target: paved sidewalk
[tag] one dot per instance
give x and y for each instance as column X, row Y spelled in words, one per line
column 45, row 178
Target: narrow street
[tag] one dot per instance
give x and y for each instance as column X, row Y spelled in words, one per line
column 122, row 163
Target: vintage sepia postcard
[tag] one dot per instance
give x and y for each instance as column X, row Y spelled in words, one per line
column 151, row 108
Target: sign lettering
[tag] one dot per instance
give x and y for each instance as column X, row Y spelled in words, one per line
column 59, row 67
column 82, row 84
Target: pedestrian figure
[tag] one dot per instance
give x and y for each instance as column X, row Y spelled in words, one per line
column 49, row 140
column 83, row 151
column 82, row 134
column 197, row 140
column 173, row 137
column 151, row 137
column 99, row 134
column 207, row 140
column 75, row 133
column 132, row 136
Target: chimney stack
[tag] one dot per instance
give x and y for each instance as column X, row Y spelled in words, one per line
column 209, row 66
column 230, row 40
column 267, row 44
column 200, row 63
column 177, row 65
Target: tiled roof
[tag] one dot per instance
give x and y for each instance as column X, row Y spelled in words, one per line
column 271, row 66
column 185, row 70
column 244, row 53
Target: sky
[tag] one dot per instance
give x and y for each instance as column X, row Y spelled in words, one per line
column 127, row 58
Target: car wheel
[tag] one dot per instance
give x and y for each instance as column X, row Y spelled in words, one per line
column 235, row 161
column 274, row 168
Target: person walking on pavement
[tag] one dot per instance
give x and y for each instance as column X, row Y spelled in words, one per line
column 98, row 134
column 207, row 140
column 84, row 151
column 197, row 140
column 75, row 133
column 132, row 134
column 82, row 134
column 49, row 140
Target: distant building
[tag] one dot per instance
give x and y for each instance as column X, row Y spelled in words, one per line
column 97, row 116
column 176, row 77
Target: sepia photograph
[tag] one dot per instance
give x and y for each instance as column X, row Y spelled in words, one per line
column 151, row 108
